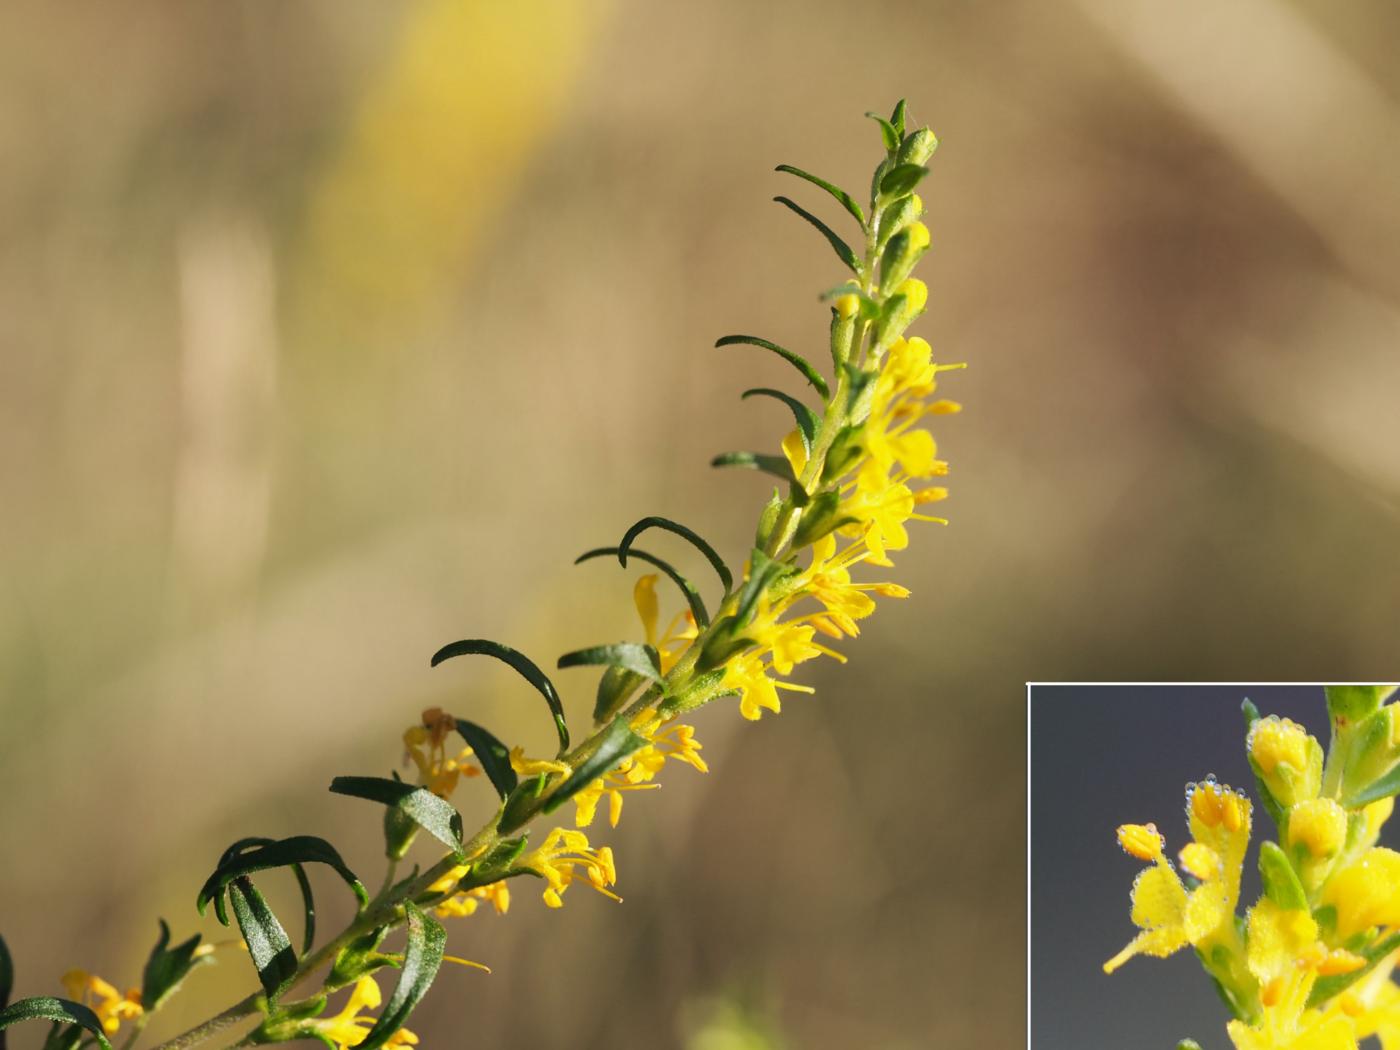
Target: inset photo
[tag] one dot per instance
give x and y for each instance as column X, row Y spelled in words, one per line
column 1214, row 866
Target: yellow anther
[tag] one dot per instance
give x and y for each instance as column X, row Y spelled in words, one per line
column 1272, row 992
column 1142, row 841
column 1338, row 961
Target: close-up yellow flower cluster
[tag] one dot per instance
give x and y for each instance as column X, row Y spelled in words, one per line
column 1310, row 965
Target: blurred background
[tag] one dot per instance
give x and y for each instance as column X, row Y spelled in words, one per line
column 332, row 332
column 1148, row 743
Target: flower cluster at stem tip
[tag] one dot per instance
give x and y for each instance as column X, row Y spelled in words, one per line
column 1310, row 964
column 853, row 473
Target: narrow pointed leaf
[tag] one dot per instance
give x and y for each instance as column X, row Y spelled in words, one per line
column 887, row 132
column 897, row 118
column 308, row 899
column 639, row 659
column 493, row 755
column 267, row 941
column 847, row 201
column 796, row 360
column 692, row 596
column 59, row 1011
column 901, row 179
column 695, row 540
column 421, row 959
column 842, row 249
column 618, row 742
column 434, row 815
column 806, row 418
column 1280, row 881
column 520, row 807
column 522, row 665
column 778, row 466
column 166, row 968
column 763, row 571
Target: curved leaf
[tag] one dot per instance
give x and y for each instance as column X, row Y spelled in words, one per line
column 60, row 1011
column 268, row 945
column 653, row 522
column 166, row 968
column 778, row 466
column 493, row 755
column 796, row 360
column 421, row 958
column 842, row 249
column 806, row 418
column 639, row 659
column 847, row 201
column 901, row 179
column 308, row 899
column 692, row 596
column 618, row 742
column 523, row 666
column 268, row 853
column 897, row 118
column 434, row 815
column 887, row 132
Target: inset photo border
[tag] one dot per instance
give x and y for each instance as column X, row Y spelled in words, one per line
column 1104, row 757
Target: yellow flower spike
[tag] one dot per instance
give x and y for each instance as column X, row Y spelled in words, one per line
column 1287, row 759
column 1142, row 841
column 1319, row 825
column 1365, row 893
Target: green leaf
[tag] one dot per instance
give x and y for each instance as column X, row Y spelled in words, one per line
column 1250, row 712
column 763, row 571
column 692, row 596
column 847, row 201
column 842, row 249
column 426, row 942
column 495, row 866
column 523, row 666
column 63, row 1037
column 166, row 968
column 1351, row 703
column 493, row 755
column 805, row 417
column 267, row 942
column 639, row 659
column 1378, row 789
column 897, row 118
column 268, row 853
column 778, row 466
column 694, row 539
column 434, row 815
column 725, row 639
column 887, row 132
column 1281, row 883
column 796, row 360
column 900, row 180
column 60, row 1011
column 1188, row 1044
column 614, row 687
column 520, row 807
column 617, row 743
column 307, row 898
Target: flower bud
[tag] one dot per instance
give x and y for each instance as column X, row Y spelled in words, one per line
column 918, row 147
column 1318, row 825
column 1287, row 760
column 900, row 255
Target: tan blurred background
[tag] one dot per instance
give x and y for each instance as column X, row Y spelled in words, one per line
column 332, row 332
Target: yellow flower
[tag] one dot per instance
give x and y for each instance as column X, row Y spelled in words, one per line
column 465, row 902
column 828, row 580
column 671, row 643
column 748, row 675
column 426, row 746
column 350, row 1026
column 529, row 767
column 1169, row 916
column 110, row 1006
column 563, row 857
column 1366, row 893
column 675, row 740
column 1287, row 759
